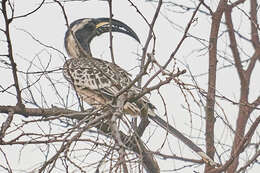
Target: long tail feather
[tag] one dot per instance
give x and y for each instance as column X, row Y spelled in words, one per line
column 183, row 138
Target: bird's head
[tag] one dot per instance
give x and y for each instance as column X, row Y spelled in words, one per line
column 82, row 31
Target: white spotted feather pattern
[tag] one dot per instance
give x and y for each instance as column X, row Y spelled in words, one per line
column 98, row 81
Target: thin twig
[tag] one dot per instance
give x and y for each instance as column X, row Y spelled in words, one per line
column 10, row 52
column 110, row 31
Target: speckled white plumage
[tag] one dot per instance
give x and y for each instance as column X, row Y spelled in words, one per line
column 98, row 82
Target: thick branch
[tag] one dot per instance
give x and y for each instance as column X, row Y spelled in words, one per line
column 233, row 43
column 245, row 76
column 210, row 119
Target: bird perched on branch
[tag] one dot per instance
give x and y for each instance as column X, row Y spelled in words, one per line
column 98, row 82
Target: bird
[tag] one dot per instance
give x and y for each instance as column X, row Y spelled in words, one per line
column 98, row 81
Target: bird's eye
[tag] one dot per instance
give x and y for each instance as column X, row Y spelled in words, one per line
column 89, row 27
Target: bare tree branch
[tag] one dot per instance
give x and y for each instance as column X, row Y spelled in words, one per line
column 233, row 43
column 210, row 118
column 10, row 51
column 239, row 148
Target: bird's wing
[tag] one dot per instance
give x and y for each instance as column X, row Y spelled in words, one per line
column 93, row 74
column 100, row 76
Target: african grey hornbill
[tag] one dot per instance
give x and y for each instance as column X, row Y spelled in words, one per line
column 97, row 81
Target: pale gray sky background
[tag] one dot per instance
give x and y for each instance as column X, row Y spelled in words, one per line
column 48, row 26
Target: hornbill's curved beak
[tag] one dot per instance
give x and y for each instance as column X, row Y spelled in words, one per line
column 82, row 31
column 102, row 26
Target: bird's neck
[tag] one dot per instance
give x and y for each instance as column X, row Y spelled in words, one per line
column 75, row 50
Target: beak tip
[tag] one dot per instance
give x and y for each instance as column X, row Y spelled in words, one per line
column 117, row 26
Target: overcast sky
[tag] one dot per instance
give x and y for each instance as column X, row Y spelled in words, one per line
column 48, row 26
